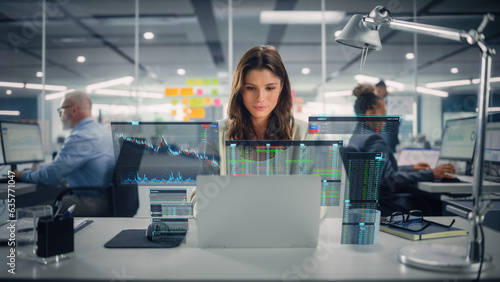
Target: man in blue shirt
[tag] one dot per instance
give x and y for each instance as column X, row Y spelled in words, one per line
column 86, row 158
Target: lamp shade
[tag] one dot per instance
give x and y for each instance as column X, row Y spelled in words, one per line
column 356, row 34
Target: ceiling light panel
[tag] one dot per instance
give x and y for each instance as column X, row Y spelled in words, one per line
column 300, row 17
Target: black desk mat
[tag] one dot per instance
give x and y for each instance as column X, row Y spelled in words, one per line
column 136, row 238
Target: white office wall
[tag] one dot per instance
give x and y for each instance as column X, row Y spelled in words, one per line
column 430, row 112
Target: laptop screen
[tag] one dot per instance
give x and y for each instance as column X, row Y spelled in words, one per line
column 492, row 143
column 459, row 139
column 411, row 156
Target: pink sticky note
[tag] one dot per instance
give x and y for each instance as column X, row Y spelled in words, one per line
column 293, row 96
column 199, row 92
column 216, row 102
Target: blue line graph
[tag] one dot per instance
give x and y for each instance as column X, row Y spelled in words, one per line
column 158, row 162
column 170, row 179
column 162, row 143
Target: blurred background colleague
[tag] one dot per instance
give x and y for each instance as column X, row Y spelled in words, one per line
column 398, row 191
column 86, row 158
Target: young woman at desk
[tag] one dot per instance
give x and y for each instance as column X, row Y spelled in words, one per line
column 260, row 107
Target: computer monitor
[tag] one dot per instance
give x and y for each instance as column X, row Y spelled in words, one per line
column 459, row 138
column 22, row 143
column 354, row 124
column 290, row 157
column 165, row 153
column 492, row 142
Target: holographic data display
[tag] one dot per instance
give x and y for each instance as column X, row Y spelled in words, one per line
column 166, row 153
column 286, row 157
column 362, row 192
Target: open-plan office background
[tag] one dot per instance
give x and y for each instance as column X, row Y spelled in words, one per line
column 167, row 60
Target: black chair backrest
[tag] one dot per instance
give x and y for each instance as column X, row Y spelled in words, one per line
column 346, row 150
column 126, row 197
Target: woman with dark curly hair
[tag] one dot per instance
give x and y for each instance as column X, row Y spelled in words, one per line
column 260, row 106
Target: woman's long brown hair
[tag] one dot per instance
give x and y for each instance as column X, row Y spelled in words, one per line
column 281, row 122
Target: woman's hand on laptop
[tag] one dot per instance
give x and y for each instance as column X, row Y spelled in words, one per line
column 444, row 171
column 421, row 166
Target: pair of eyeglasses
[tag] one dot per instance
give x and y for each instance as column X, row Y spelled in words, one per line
column 60, row 109
column 413, row 221
column 412, row 216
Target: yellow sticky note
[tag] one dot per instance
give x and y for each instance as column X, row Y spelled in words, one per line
column 215, row 91
column 198, row 81
column 174, row 102
column 171, row 91
column 215, row 81
column 174, row 112
column 196, row 102
column 185, row 101
column 187, row 91
column 207, row 81
column 190, row 81
column 197, row 113
column 207, row 101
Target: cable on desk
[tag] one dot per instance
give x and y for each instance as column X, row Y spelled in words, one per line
column 482, row 253
column 490, row 167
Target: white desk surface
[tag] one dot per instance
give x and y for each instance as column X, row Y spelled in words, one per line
column 458, row 187
column 330, row 260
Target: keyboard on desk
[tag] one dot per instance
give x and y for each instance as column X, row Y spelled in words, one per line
column 466, row 178
column 469, row 179
column 448, row 180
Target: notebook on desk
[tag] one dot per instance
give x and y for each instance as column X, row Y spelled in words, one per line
column 236, row 211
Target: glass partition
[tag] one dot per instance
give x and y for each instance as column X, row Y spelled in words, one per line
column 173, row 60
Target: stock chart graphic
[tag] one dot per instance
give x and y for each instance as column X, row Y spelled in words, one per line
column 159, row 153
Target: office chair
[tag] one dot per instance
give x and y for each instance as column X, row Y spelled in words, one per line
column 70, row 191
column 123, row 200
column 346, row 150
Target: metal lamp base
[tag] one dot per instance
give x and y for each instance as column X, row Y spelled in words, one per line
column 437, row 257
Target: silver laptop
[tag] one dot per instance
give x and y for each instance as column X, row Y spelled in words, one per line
column 237, row 211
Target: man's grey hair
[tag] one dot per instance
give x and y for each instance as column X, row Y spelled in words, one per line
column 81, row 99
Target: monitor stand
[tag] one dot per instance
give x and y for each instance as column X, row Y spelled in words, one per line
column 468, row 168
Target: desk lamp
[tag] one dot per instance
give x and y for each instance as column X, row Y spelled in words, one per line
column 362, row 32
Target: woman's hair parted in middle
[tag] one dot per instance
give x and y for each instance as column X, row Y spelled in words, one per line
column 281, row 122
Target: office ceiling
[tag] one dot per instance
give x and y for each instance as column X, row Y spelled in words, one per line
column 193, row 35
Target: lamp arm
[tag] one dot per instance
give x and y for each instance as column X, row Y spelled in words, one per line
column 379, row 17
column 436, row 31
